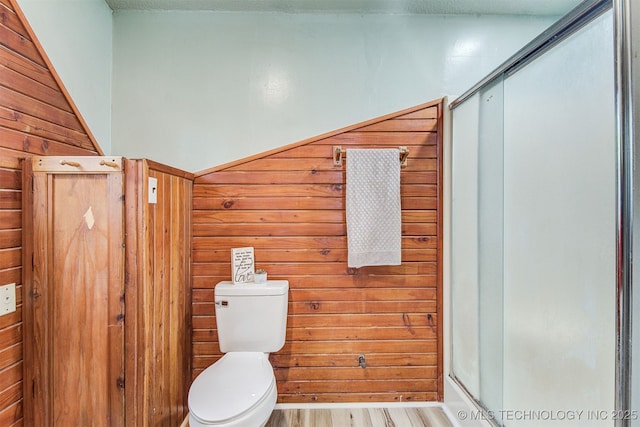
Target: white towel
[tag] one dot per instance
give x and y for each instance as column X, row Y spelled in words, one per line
column 374, row 224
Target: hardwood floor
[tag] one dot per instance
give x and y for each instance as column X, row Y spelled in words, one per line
column 427, row 416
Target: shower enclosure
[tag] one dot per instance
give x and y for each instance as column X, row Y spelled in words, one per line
column 540, row 242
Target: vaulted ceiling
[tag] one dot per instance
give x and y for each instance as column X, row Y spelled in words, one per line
column 484, row 7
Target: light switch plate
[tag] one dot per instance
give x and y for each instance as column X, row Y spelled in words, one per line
column 7, row 299
column 153, row 190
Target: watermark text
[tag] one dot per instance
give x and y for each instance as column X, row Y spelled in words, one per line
column 558, row 415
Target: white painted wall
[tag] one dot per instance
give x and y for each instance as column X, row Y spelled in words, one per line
column 199, row 89
column 77, row 37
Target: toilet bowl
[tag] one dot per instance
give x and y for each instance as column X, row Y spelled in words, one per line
column 239, row 390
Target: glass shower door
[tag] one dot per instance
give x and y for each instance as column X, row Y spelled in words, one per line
column 533, row 261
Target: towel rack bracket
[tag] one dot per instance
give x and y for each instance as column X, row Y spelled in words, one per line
column 404, row 156
column 337, row 155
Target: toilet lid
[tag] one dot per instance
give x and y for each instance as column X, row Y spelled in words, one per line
column 231, row 386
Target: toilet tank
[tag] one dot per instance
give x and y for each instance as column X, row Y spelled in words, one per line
column 252, row 317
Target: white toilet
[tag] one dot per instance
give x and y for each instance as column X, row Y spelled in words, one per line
column 239, row 390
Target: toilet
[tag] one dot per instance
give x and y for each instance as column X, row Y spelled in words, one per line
column 239, row 390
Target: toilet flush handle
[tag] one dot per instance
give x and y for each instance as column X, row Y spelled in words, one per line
column 222, row 303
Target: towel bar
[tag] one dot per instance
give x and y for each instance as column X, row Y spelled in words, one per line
column 339, row 155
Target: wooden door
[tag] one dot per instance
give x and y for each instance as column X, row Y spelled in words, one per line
column 74, row 292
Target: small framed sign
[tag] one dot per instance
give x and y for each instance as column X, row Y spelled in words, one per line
column 242, row 265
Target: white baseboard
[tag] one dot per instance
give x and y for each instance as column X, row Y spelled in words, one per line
column 357, row 405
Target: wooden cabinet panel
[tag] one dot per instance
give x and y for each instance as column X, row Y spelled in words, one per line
column 74, row 363
column 107, row 313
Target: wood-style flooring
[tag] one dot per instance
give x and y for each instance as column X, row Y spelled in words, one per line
column 427, row 416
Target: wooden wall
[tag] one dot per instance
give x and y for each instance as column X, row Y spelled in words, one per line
column 158, row 295
column 37, row 116
column 289, row 205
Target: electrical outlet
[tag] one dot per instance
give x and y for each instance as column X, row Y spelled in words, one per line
column 7, row 299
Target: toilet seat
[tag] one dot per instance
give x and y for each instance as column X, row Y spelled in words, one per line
column 231, row 387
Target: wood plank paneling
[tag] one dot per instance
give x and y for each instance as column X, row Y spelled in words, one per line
column 37, row 116
column 158, row 366
column 289, row 205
